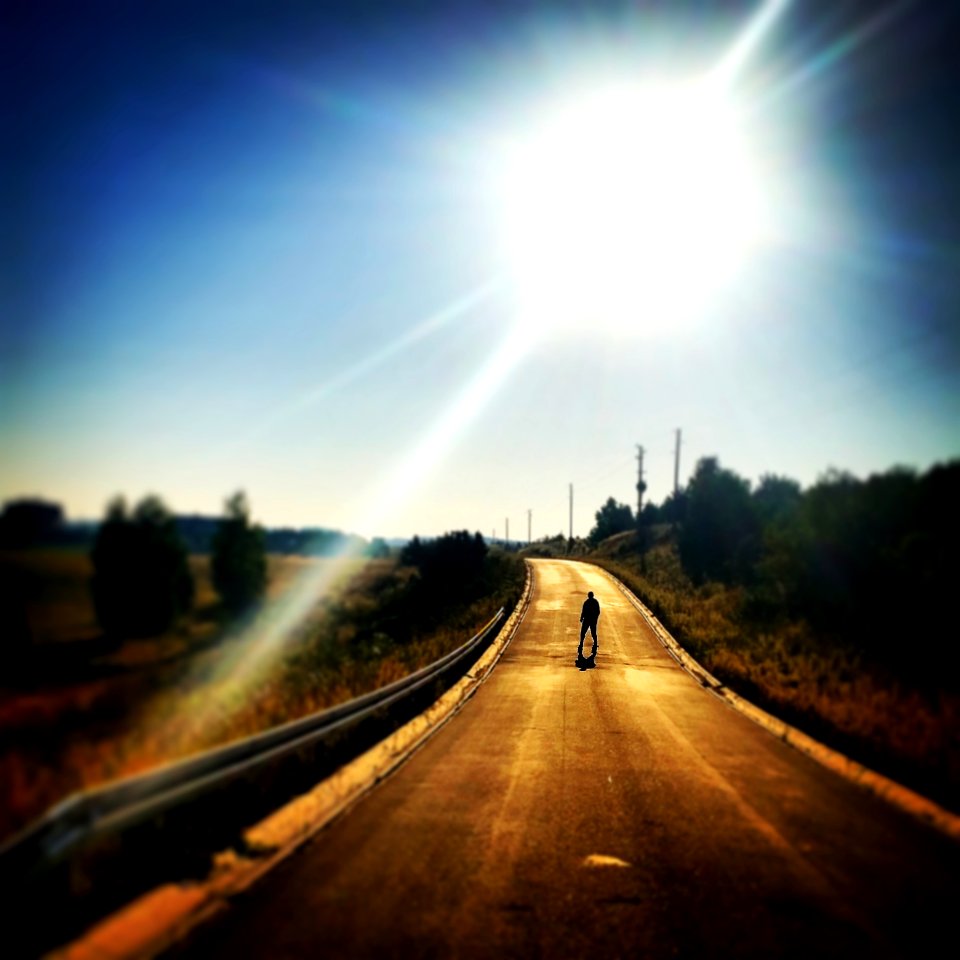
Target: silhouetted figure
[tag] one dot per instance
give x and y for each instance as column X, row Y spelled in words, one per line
column 589, row 615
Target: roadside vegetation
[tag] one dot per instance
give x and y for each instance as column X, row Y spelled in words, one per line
column 831, row 606
column 93, row 688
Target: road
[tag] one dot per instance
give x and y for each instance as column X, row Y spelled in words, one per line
column 622, row 811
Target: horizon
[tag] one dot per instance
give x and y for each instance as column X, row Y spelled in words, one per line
column 824, row 476
column 265, row 253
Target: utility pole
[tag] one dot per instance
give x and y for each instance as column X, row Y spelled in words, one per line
column 641, row 486
column 507, row 525
column 571, row 511
column 676, row 465
column 529, row 526
column 493, row 535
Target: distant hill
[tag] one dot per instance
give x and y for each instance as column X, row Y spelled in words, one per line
column 30, row 522
column 197, row 532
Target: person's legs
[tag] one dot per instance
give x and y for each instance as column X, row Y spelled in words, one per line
column 583, row 633
column 593, row 631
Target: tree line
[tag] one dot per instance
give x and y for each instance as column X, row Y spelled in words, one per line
column 142, row 581
column 869, row 561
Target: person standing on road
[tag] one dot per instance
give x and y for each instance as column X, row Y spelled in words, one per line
column 589, row 615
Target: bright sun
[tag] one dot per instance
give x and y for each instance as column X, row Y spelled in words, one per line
column 629, row 208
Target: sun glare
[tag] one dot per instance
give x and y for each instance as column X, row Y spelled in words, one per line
column 628, row 208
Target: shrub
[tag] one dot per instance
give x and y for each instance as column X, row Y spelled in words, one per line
column 452, row 564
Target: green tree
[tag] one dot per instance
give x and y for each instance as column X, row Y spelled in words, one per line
column 674, row 508
column 378, row 548
column 142, row 582
column 239, row 559
column 611, row 518
column 855, row 545
column 650, row 515
column 776, row 498
column 719, row 539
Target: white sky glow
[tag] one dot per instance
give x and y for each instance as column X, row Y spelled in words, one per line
column 629, row 206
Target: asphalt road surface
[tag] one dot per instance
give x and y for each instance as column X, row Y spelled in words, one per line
column 622, row 811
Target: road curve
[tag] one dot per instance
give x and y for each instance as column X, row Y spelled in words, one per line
column 622, row 811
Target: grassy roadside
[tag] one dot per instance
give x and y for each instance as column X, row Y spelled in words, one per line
column 87, row 713
column 888, row 719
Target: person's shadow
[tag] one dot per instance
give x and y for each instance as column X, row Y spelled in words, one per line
column 586, row 663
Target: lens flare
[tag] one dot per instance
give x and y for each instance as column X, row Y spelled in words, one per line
column 252, row 653
column 749, row 38
column 455, row 310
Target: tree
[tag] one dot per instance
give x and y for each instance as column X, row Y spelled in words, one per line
column 239, row 559
column 776, row 498
column 377, row 548
column 853, row 544
column 611, row 518
column 674, row 508
column 142, row 582
column 650, row 515
column 719, row 539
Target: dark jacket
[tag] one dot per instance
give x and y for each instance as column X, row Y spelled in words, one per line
column 590, row 611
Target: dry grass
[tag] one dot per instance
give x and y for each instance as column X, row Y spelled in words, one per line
column 54, row 586
column 865, row 709
column 119, row 712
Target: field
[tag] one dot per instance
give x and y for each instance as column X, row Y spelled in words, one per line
column 81, row 712
column 902, row 723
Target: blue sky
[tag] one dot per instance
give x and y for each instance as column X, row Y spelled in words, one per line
column 219, row 221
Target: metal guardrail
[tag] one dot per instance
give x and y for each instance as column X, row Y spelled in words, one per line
column 100, row 848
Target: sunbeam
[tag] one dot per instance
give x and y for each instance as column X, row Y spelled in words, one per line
column 458, row 308
column 403, row 479
column 837, row 51
column 748, row 40
column 257, row 646
column 432, row 324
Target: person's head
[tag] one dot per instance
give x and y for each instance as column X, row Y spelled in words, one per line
column 590, row 594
